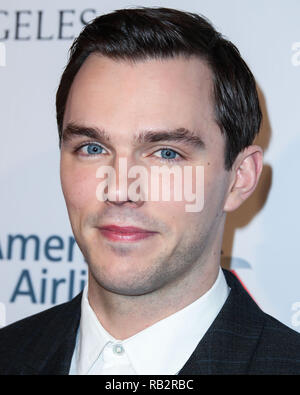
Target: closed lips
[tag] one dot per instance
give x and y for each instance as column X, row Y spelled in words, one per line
column 125, row 229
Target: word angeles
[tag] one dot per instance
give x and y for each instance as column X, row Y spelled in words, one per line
column 165, row 183
column 44, row 25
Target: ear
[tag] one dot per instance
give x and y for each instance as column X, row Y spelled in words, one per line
column 246, row 171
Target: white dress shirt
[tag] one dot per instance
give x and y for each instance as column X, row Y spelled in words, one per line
column 162, row 348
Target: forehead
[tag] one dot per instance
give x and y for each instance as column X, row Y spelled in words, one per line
column 124, row 96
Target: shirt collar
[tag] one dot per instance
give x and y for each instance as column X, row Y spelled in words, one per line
column 92, row 336
column 162, row 348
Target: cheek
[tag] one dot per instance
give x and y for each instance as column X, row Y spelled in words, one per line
column 215, row 187
column 79, row 186
column 173, row 215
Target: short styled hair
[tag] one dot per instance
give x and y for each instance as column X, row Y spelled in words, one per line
column 161, row 33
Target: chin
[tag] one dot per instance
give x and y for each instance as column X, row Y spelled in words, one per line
column 123, row 285
column 132, row 277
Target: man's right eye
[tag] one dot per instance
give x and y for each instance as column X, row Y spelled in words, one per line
column 90, row 149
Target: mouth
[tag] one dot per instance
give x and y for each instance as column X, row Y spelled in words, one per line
column 125, row 233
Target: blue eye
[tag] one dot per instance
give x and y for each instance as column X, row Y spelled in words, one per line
column 92, row 149
column 168, row 154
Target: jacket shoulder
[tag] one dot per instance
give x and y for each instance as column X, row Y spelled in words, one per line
column 22, row 339
column 278, row 350
column 264, row 344
column 26, row 326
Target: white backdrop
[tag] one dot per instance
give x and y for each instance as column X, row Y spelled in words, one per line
column 39, row 263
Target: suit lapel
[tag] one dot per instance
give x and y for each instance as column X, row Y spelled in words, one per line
column 230, row 342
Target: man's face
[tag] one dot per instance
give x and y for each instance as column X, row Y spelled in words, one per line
column 122, row 101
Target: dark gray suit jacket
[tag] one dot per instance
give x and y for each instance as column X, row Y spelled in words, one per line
column 241, row 340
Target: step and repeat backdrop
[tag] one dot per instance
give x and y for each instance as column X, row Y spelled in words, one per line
column 40, row 263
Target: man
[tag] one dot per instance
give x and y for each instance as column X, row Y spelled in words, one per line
column 148, row 88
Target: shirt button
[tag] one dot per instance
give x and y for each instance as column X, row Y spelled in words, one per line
column 118, row 349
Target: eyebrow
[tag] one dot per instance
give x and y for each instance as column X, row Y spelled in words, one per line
column 178, row 135
column 73, row 130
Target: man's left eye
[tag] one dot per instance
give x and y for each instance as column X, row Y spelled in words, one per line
column 167, row 153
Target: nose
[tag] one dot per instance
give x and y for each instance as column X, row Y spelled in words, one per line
column 127, row 203
column 116, row 188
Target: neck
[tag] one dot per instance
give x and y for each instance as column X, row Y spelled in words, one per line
column 123, row 316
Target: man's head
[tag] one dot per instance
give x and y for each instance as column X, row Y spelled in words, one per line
column 136, row 81
column 146, row 33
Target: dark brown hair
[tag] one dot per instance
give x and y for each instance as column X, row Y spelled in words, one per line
column 146, row 33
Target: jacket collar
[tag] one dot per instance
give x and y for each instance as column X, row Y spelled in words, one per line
column 230, row 342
